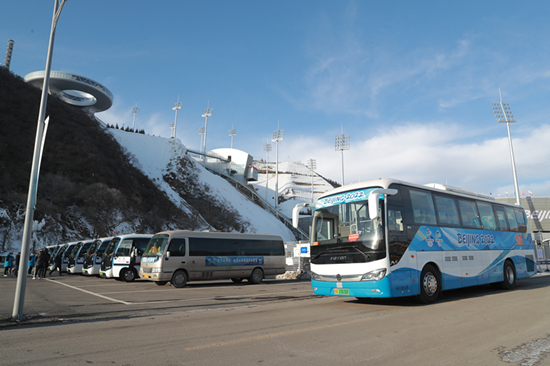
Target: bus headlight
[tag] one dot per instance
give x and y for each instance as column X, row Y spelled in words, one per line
column 374, row 275
column 156, row 270
column 315, row 276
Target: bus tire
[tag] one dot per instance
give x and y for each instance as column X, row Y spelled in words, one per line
column 257, row 276
column 430, row 285
column 179, row 279
column 237, row 280
column 128, row 275
column 509, row 274
column 160, row 283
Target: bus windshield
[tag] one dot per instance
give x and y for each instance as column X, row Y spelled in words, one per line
column 342, row 225
column 156, row 246
column 112, row 246
column 125, row 248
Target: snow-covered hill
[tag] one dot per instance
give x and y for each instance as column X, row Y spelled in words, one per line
column 162, row 159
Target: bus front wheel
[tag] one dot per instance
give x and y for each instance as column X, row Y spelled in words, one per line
column 237, row 280
column 128, row 275
column 256, row 277
column 161, row 283
column 509, row 274
column 179, row 279
column 430, row 285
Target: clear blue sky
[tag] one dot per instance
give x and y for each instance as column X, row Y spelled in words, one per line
column 412, row 82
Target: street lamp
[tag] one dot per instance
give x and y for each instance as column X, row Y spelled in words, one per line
column 134, row 111
column 277, row 136
column 503, row 114
column 232, row 133
column 176, row 108
column 207, row 113
column 201, row 133
column 41, row 130
column 341, row 144
column 312, row 165
column 267, row 149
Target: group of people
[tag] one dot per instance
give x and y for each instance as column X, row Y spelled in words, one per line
column 38, row 264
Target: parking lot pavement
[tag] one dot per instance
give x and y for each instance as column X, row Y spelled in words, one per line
column 81, row 298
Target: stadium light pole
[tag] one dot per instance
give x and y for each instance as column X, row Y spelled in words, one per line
column 267, row 149
column 503, row 114
column 312, row 165
column 207, row 113
column 201, row 133
column 341, row 144
column 176, row 108
column 134, row 111
column 277, row 136
column 232, row 133
column 41, row 130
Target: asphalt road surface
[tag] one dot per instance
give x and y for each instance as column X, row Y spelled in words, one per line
column 76, row 320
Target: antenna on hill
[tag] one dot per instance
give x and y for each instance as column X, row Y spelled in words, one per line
column 232, row 133
column 176, row 108
column 207, row 113
column 267, row 149
column 9, row 50
column 341, row 144
column 134, row 111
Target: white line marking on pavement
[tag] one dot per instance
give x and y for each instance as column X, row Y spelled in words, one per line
column 91, row 293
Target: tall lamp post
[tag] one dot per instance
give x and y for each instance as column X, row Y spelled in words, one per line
column 176, row 108
column 41, row 129
column 341, row 144
column 232, row 133
column 201, row 133
column 267, row 149
column 207, row 113
column 503, row 114
column 312, row 165
column 277, row 136
column 134, row 111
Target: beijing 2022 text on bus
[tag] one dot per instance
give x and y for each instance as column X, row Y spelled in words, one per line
column 181, row 256
column 388, row 238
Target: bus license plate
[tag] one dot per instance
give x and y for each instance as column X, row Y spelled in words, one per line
column 341, row 291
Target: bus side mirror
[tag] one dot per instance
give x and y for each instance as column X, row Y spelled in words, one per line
column 374, row 197
column 167, row 255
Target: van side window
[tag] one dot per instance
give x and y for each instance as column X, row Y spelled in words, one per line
column 177, row 248
column 423, row 207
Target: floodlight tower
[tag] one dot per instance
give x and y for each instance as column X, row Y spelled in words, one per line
column 277, row 136
column 341, row 144
column 503, row 114
column 41, row 129
column 267, row 149
column 232, row 133
column 134, row 111
column 312, row 165
column 201, row 133
column 207, row 113
column 176, row 108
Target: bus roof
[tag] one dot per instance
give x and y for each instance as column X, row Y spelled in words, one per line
column 434, row 187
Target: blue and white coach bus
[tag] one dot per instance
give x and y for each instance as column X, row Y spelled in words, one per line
column 388, row 238
column 181, row 256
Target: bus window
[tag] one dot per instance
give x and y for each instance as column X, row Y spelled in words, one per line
column 501, row 218
column 468, row 214
column 487, row 215
column 447, row 213
column 511, row 216
column 423, row 207
column 395, row 220
column 177, row 247
column 521, row 220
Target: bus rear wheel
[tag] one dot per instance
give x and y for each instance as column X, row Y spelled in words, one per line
column 179, row 279
column 430, row 285
column 257, row 276
column 509, row 273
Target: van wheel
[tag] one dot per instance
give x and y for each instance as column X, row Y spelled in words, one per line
column 509, row 274
column 237, row 280
column 160, row 283
column 179, row 279
column 128, row 275
column 430, row 285
column 257, row 276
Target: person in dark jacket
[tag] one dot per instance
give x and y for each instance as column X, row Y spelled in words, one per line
column 57, row 262
column 42, row 264
column 17, row 260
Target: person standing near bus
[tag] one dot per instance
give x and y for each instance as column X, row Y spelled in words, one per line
column 42, row 264
column 8, row 264
column 57, row 262
column 17, row 260
column 32, row 263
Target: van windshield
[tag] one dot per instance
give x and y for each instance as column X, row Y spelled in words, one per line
column 156, row 246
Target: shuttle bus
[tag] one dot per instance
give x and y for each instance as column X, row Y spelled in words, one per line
column 122, row 256
column 181, row 256
column 77, row 260
column 388, row 238
column 92, row 260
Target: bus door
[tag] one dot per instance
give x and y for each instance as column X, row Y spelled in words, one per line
column 178, row 256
